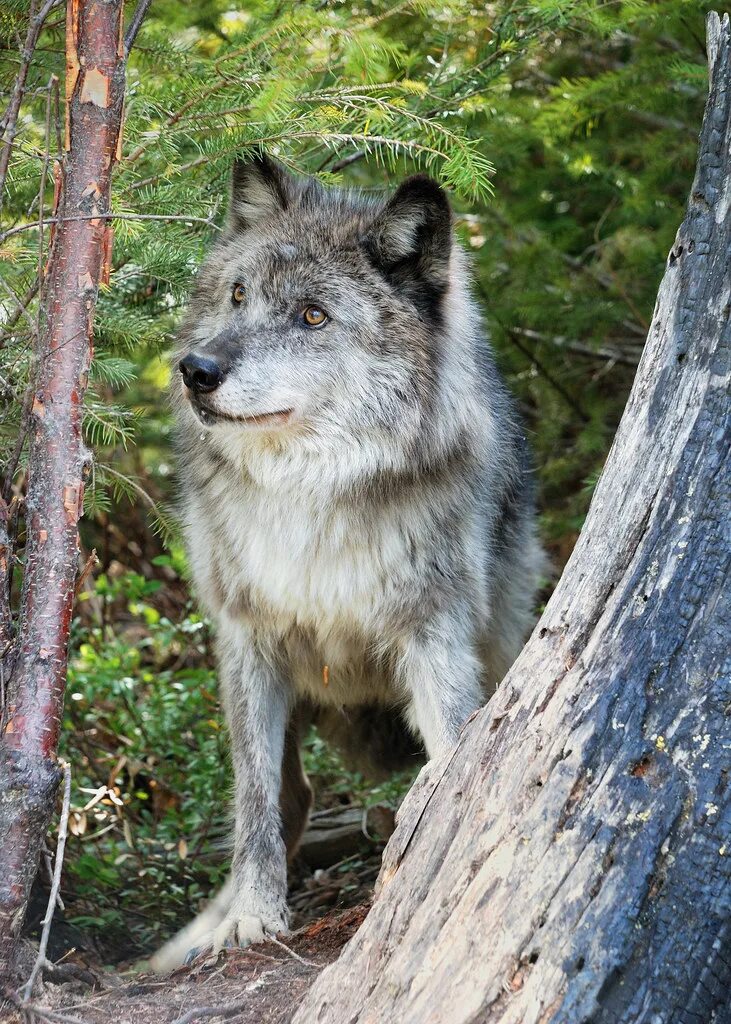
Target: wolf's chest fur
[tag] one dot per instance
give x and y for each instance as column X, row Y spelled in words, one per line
column 328, row 579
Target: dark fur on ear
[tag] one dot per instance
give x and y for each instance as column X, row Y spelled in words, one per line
column 260, row 188
column 410, row 240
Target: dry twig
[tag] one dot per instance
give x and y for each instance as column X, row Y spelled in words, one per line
column 91, row 561
column 55, row 886
column 31, row 1010
column 295, row 956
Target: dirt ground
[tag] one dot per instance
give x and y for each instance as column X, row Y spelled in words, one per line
column 263, row 984
column 331, row 886
column 330, row 891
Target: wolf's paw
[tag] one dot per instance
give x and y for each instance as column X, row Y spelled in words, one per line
column 241, row 931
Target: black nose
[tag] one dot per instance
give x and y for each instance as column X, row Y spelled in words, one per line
column 200, row 373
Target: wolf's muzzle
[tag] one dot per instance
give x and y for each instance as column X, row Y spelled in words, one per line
column 200, row 374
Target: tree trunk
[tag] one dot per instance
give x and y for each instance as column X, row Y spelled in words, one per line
column 571, row 860
column 35, row 665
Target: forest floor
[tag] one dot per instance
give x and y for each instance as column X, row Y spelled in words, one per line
column 263, row 984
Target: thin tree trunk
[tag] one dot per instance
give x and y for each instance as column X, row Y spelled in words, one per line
column 35, row 666
column 571, row 860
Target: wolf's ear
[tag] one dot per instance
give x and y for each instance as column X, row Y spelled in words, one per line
column 412, row 236
column 259, row 190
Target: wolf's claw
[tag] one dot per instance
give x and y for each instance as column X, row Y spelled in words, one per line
column 233, row 932
column 238, row 931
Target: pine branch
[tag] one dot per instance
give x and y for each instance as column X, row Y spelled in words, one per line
column 110, row 216
column 136, row 24
column 9, row 123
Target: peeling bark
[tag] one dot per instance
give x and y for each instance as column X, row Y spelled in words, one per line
column 35, row 665
column 571, row 860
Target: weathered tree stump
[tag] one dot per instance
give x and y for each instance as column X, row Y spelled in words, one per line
column 571, row 860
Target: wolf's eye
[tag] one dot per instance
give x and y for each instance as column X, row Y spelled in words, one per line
column 238, row 294
column 313, row 316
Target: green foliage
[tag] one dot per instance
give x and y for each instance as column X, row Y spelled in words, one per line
column 594, row 144
column 310, row 82
column 332, row 779
column 143, row 732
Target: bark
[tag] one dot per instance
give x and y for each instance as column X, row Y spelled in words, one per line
column 35, row 666
column 571, row 860
column 6, row 562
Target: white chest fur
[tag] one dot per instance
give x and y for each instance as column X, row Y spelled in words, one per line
column 335, row 571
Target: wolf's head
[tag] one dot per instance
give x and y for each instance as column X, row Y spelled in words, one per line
column 321, row 314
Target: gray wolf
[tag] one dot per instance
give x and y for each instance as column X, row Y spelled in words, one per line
column 357, row 500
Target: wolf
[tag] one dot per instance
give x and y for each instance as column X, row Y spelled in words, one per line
column 357, row 499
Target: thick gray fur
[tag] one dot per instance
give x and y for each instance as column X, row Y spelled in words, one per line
column 371, row 556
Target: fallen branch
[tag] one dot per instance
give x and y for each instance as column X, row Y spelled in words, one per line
column 216, row 1011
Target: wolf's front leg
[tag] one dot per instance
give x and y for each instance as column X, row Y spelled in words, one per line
column 256, row 700
column 253, row 901
column 441, row 675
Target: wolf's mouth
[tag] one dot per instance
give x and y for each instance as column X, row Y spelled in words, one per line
column 208, row 415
